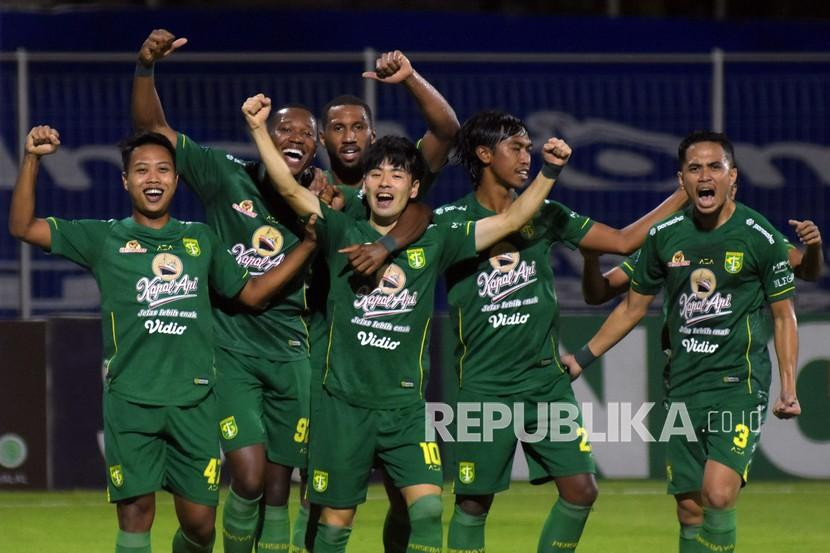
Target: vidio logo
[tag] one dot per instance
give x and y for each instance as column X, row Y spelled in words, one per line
column 13, row 451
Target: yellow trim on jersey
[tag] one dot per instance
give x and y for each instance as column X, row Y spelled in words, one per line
column 467, row 229
column 307, row 334
column 629, row 266
column 464, row 354
column 782, row 292
column 328, row 348
column 114, row 341
column 748, row 362
column 55, row 221
column 184, row 139
column 421, row 356
column 555, row 354
column 587, row 220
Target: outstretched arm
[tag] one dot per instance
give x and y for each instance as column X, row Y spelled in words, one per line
column 301, row 200
column 555, row 153
column 786, row 350
column 23, row 225
column 598, row 288
column 808, row 264
column 259, row 291
column 624, row 318
column 605, row 239
column 395, row 67
column 147, row 112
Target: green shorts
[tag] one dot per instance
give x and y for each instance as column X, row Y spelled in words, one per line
column 727, row 432
column 263, row 401
column 149, row 448
column 348, row 439
column 483, row 465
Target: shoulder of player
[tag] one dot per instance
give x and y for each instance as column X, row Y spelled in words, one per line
column 459, row 210
column 763, row 230
column 670, row 222
column 185, row 143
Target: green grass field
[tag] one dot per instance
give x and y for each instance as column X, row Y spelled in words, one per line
column 629, row 517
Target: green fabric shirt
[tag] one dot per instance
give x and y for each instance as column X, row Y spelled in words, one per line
column 155, row 305
column 716, row 285
column 377, row 347
column 503, row 303
column 259, row 229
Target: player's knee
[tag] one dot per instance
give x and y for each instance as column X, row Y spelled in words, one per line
column 584, row 494
column 474, row 505
column 717, row 498
column 199, row 529
column 689, row 513
column 248, row 485
column 426, row 509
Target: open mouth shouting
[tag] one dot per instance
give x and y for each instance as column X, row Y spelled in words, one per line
column 294, row 158
column 349, row 153
column 153, row 195
column 384, row 200
column 706, row 196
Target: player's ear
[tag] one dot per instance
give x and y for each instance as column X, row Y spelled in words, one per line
column 124, row 180
column 680, row 180
column 484, row 154
column 413, row 192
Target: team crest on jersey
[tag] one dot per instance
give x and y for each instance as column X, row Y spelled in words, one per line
column 132, row 246
column 703, row 283
column 528, row 230
column 267, row 241
column 466, row 472
column 167, row 266
column 228, row 428
column 733, row 262
column 191, row 247
column 320, row 481
column 504, row 257
column 416, row 258
column 679, row 260
column 246, row 208
column 116, row 476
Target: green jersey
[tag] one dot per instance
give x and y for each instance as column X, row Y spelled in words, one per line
column 259, row 229
column 377, row 347
column 155, row 304
column 503, row 304
column 716, row 284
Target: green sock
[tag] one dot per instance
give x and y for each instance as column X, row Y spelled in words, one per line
column 240, row 518
column 719, row 530
column 688, row 538
column 563, row 528
column 183, row 544
column 466, row 533
column 395, row 531
column 298, row 534
column 425, row 519
column 276, row 530
column 132, row 542
column 331, row 539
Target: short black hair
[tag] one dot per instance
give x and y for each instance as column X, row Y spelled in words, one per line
column 128, row 146
column 696, row 137
column 485, row 128
column 272, row 119
column 346, row 100
column 399, row 152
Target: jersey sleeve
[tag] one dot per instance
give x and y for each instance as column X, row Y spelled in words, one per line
column 458, row 242
column 627, row 265
column 79, row 240
column 331, row 226
column 564, row 224
column 353, row 205
column 776, row 273
column 203, row 168
column 649, row 272
column 226, row 276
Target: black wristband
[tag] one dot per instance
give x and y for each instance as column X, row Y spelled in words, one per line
column 387, row 242
column 143, row 70
column 552, row 171
column 584, row 357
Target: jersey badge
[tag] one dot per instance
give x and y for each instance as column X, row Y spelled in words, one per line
column 116, row 476
column 679, row 260
column 132, row 246
column 466, row 472
column 228, row 428
column 733, row 262
column 191, row 246
column 416, row 257
column 267, row 241
column 528, row 230
column 320, row 481
column 246, row 208
column 164, row 248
